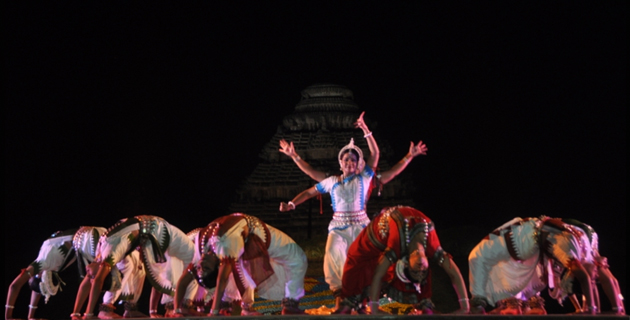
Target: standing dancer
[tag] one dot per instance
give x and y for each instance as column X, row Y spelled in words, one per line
column 349, row 194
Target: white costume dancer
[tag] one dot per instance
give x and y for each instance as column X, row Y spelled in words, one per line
column 60, row 251
column 516, row 261
column 255, row 256
column 349, row 196
column 165, row 250
column 349, row 193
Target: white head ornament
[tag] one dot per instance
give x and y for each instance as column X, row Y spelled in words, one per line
column 351, row 146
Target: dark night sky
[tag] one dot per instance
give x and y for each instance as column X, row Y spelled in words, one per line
column 112, row 110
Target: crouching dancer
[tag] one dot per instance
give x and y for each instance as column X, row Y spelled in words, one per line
column 237, row 254
column 57, row 253
column 162, row 245
column 511, row 265
column 391, row 255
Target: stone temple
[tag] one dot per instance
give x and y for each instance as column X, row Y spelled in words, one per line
column 320, row 125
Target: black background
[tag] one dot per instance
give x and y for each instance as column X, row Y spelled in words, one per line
column 113, row 109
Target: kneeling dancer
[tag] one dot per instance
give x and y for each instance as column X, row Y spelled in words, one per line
column 392, row 253
column 238, row 254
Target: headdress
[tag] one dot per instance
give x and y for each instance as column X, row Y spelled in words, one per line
column 351, row 146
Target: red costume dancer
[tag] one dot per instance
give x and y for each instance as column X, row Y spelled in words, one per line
column 392, row 253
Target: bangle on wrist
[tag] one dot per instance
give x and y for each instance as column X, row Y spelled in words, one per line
column 153, row 311
column 463, row 299
column 76, row 314
column 367, row 134
column 88, row 314
column 408, row 158
column 214, row 312
column 291, row 205
column 9, row 306
column 179, row 310
column 30, row 306
column 296, row 158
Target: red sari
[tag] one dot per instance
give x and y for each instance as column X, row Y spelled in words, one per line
column 389, row 231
